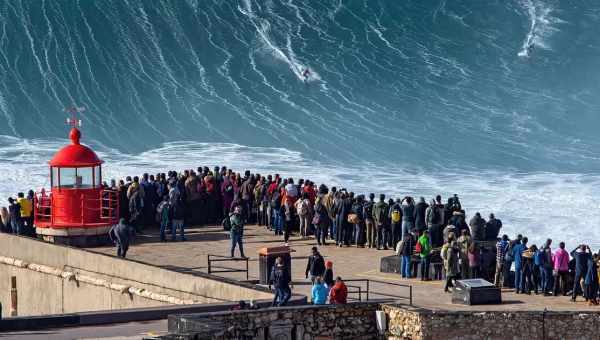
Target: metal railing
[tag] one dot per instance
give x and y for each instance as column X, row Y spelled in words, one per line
column 222, row 269
column 371, row 289
column 104, row 209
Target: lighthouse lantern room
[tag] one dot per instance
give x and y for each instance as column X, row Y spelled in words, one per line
column 78, row 210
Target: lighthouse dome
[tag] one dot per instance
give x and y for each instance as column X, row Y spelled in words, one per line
column 75, row 155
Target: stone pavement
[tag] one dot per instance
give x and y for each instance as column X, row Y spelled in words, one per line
column 349, row 263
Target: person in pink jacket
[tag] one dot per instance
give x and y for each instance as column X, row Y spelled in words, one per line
column 561, row 269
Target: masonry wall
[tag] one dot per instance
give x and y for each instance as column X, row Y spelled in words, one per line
column 418, row 324
column 100, row 282
column 351, row 321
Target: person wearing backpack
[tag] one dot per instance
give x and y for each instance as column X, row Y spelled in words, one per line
column 369, row 221
column 380, row 218
column 304, row 213
column 434, row 219
column 395, row 217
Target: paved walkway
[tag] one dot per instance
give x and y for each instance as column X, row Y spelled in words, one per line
column 349, row 263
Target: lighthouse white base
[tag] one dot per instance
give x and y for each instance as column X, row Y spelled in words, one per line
column 79, row 237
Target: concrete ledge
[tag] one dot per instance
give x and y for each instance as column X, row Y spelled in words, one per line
column 121, row 316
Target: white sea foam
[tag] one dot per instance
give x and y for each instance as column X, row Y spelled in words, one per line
column 542, row 24
column 539, row 205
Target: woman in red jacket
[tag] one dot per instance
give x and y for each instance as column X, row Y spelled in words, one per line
column 339, row 292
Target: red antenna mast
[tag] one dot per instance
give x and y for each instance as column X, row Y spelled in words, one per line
column 74, row 111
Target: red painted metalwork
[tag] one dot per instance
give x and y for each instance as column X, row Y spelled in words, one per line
column 77, row 199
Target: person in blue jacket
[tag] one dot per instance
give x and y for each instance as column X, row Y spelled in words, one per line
column 517, row 252
column 591, row 281
column 319, row 292
column 581, row 255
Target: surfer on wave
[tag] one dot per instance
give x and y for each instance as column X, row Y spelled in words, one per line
column 306, row 74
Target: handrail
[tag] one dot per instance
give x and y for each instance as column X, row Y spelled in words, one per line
column 221, row 269
column 104, row 209
column 370, row 292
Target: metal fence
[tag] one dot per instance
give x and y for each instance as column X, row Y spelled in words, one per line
column 216, row 268
column 373, row 290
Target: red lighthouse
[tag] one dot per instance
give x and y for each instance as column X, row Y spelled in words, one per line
column 78, row 210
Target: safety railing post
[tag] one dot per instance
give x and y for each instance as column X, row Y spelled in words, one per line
column 247, row 275
column 208, row 257
column 410, row 295
column 359, row 294
column 368, row 289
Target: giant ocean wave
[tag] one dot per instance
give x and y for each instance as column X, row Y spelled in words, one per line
column 496, row 101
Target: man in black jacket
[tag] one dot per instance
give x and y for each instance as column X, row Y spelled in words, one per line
column 420, row 210
column 315, row 266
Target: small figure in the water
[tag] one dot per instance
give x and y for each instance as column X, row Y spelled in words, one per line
column 306, row 74
column 530, row 48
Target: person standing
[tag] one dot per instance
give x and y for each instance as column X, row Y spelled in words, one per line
column 177, row 214
column 501, row 248
column 319, row 292
column 359, row 226
column 420, row 210
column 321, row 218
column 120, row 235
column 26, row 215
column 434, row 217
column 163, row 211
column 328, row 275
column 408, row 216
column 380, row 219
column 561, row 269
column 315, row 266
column 424, row 249
column 545, row 267
column 281, row 279
column 465, row 243
column 338, row 293
column 405, row 250
column 517, row 251
column 492, row 228
column 473, row 261
column 581, row 255
column 591, row 281
column 369, row 221
column 450, row 255
column 14, row 212
column 236, row 233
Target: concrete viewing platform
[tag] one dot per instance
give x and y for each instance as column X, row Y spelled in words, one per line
column 349, row 263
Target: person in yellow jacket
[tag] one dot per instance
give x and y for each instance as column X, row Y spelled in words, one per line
column 26, row 213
